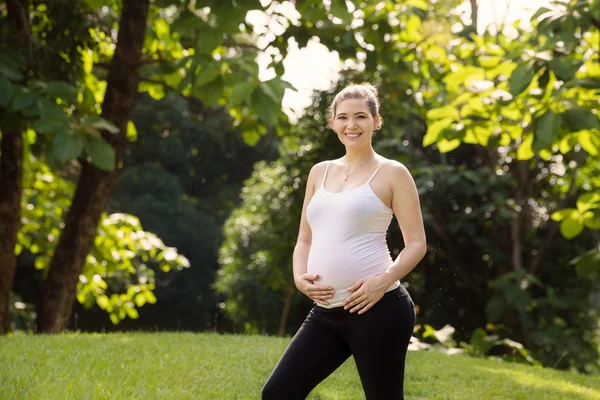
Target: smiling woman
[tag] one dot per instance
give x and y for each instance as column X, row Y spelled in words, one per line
column 342, row 262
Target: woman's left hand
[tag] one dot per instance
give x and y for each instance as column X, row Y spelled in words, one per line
column 367, row 292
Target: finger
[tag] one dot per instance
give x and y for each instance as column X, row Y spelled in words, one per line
column 322, row 290
column 365, row 308
column 310, row 277
column 352, row 301
column 319, row 301
column 359, row 306
column 321, row 286
column 320, row 294
column 355, row 286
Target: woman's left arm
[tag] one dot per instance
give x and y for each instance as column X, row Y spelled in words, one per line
column 407, row 208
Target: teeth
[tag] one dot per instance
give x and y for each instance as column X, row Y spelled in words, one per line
column 353, row 135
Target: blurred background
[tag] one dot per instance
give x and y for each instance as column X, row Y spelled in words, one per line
column 154, row 157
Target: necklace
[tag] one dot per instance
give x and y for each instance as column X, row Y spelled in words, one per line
column 348, row 174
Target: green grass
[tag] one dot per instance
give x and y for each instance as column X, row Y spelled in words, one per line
column 212, row 366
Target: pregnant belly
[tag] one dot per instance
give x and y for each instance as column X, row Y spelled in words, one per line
column 341, row 268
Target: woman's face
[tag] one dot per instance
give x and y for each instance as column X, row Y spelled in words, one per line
column 354, row 123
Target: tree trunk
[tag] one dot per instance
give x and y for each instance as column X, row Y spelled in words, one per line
column 95, row 185
column 289, row 295
column 474, row 11
column 11, row 178
column 11, row 181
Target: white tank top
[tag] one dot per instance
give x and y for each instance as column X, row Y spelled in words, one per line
column 348, row 237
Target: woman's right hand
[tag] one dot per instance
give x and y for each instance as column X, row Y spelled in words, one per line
column 318, row 293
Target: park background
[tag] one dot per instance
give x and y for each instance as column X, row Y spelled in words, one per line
column 213, row 113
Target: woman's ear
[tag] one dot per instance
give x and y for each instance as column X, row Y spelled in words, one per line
column 376, row 123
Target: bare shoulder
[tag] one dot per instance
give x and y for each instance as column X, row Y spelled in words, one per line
column 396, row 171
column 317, row 172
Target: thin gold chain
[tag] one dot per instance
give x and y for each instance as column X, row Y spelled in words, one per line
column 348, row 174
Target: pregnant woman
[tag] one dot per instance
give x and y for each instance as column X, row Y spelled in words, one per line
column 341, row 261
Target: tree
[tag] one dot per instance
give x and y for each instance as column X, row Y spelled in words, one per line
column 195, row 60
column 11, row 164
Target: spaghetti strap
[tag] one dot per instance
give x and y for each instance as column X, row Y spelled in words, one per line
column 375, row 173
column 325, row 175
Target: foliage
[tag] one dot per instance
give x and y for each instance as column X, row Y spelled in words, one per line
column 533, row 102
column 172, row 359
column 118, row 275
column 69, row 134
column 491, row 167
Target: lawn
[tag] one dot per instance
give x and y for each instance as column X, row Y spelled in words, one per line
column 212, row 366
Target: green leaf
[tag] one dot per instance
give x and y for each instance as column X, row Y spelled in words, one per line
column 545, row 131
column 5, row 92
column 251, row 136
column 208, row 73
column 211, row 93
column 588, row 201
column 443, row 112
column 588, row 266
column 101, row 152
column 525, row 152
column 132, row 312
column 50, row 126
column 420, row 4
column 98, row 122
column 102, row 301
column 132, row 134
column 23, row 101
column 240, row 91
column 592, row 220
column 267, row 110
column 49, row 110
column 340, row 10
column 579, row 118
column 562, row 214
column 275, row 89
column 88, row 100
column 434, row 129
column 208, row 41
column 571, row 227
column 10, row 73
column 11, row 57
column 565, row 68
column 520, row 78
column 67, row 147
column 62, row 90
column 150, row 297
column 445, row 145
column 590, row 141
column 140, row 299
column 586, row 83
column 114, row 318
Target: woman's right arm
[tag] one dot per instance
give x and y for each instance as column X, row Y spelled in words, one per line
column 304, row 282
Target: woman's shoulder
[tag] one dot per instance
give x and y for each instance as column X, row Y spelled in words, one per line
column 395, row 170
column 322, row 165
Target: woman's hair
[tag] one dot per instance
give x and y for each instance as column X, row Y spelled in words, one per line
column 365, row 92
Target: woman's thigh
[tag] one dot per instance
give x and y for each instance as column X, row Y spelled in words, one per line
column 379, row 341
column 312, row 355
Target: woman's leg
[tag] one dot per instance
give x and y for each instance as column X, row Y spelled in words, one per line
column 379, row 341
column 312, row 355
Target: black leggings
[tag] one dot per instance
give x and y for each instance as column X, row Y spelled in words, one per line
column 378, row 340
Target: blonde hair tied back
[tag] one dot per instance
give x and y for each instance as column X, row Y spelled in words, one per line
column 365, row 92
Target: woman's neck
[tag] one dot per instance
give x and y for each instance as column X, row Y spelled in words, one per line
column 355, row 157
